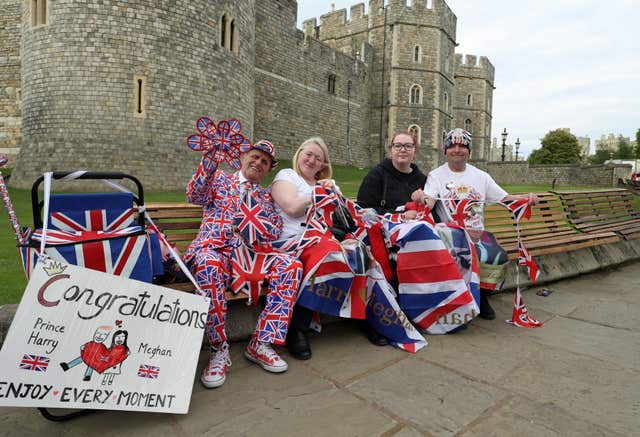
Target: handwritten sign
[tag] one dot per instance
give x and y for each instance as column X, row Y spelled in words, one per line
column 86, row 339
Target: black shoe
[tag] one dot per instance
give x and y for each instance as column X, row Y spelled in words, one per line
column 486, row 312
column 298, row 344
column 64, row 366
column 373, row 336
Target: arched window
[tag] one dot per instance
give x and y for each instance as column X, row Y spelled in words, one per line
column 331, row 84
column 468, row 126
column 469, row 100
column 223, row 31
column 415, row 130
column 232, row 35
column 417, row 54
column 415, row 95
column 39, row 12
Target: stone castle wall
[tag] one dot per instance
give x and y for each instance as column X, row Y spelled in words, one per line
column 10, row 105
column 521, row 173
column 79, row 81
column 292, row 98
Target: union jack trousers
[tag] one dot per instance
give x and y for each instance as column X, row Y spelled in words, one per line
column 213, row 270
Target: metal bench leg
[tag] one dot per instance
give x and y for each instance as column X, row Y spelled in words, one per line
column 63, row 417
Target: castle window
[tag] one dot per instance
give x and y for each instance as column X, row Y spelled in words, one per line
column 223, row 31
column 446, row 101
column 468, row 126
column 415, row 130
column 232, row 36
column 469, row 100
column 331, row 84
column 38, row 12
column 139, row 96
column 429, row 4
column 417, row 54
column 415, row 95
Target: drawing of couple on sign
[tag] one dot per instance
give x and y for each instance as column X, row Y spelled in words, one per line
column 97, row 357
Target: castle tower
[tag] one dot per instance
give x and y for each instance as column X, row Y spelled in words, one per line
column 412, row 77
column 473, row 101
column 108, row 85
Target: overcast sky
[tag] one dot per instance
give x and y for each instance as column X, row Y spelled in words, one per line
column 559, row 63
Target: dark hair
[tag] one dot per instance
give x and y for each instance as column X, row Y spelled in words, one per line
column 404, row 132
column 118, row 332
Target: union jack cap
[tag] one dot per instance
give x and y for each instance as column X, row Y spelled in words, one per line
column 457, row 136
column 267, row 148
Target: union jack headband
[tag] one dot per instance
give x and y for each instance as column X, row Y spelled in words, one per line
column 457, row 136
column 267, row 148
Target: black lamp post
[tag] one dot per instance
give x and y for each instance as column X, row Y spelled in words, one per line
column 517, row 147
column 504, row 140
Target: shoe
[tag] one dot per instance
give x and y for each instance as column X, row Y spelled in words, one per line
column 298, row 344
column 215, row 373
column 263, row 355
column 64, row 366
column 486, row 312
column 374, row 336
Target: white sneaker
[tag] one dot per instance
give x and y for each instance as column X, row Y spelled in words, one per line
column 215, row 373
column 263, row 355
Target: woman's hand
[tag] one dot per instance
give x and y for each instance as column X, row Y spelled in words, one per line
column 418, row 196
column 328, row 184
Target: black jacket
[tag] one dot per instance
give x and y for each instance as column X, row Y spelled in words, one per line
column 399, row 187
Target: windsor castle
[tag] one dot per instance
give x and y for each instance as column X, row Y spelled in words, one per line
column 115, row 85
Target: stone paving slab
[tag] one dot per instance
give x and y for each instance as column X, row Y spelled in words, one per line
column 577, row 375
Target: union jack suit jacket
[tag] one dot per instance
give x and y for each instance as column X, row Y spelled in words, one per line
column 220, row 195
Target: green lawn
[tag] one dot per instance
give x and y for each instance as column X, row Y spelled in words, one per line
column 12, row 278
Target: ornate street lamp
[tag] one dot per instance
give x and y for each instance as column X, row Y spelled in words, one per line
column 504, row 140
column 517, row 147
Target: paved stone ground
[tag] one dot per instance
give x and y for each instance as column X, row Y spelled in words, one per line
column 577, row 375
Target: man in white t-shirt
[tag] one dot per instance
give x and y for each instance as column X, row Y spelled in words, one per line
column 458, row 180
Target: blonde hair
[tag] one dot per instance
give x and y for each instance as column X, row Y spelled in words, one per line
column 327, row 171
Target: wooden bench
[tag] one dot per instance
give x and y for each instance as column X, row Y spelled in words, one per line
column 548, row 231
column 595, row 211
column 180, row 222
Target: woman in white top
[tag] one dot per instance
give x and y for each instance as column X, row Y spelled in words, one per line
column 292, row 191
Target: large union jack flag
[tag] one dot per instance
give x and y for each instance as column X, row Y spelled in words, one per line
column 34, row 363
column 148, row 371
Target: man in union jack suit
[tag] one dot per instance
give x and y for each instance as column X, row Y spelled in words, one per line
column 222, row 256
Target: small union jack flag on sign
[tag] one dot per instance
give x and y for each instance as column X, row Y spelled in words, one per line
column 35, row 363
column 148, row 371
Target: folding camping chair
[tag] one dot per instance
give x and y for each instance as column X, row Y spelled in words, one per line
column 98, row 231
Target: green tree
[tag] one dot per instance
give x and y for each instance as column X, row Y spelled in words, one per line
column 637, row 149
column 558, row 147
column 600, row 157
column 624, row 151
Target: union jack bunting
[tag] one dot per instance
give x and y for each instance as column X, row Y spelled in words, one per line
column 224, row 141
column 521, row 208
column 432, row 290
column 34, row 363
column 148, row 371
column 525, row 259
column 252, row 221
column 324, row 203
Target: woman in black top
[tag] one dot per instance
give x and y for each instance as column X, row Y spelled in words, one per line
column 392, row 182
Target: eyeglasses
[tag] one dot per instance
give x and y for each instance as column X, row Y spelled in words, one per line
column 407, row 146
column 308, row 154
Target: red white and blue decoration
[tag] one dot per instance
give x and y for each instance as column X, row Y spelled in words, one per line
column 223, row 140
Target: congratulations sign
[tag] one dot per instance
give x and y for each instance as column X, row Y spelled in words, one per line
column 86, row 339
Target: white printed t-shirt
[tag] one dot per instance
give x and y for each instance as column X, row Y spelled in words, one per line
column 472, row 183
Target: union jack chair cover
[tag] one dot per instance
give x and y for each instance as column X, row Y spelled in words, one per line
column 98, row 231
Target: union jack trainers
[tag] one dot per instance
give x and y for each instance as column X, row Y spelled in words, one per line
column 215, row 373
column 263, row 355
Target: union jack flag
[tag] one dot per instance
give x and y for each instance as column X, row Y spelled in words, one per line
column 55, row 237
column 93, row 220
column 249, row 270
column 324, row 203
column 34, row 363
column 148, row 371
column 224, row 141
column 521, row 208
column 459, row 209
column 253, row 222
column 525, row 259
column 520, row 316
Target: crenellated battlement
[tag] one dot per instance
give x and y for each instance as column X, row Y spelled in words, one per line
column 474, row 66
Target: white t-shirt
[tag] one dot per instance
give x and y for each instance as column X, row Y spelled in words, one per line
column 472, row 183
column 293, row 226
